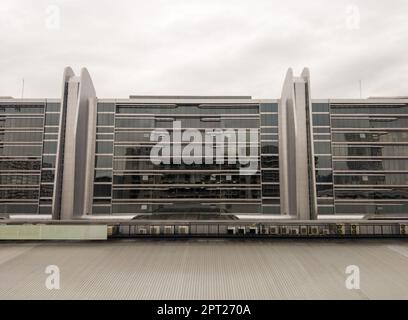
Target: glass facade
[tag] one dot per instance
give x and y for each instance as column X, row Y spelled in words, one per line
column 360, row 154
column 127, row 181
column 370, row 158
column 322, row 146
column 28, row 138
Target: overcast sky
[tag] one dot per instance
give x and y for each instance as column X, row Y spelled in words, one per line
column 211, row 47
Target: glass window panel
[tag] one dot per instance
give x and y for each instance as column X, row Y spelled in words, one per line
column 53, row 107
column 270, row 191
column 47, row 176
column 370, row 179
column 51, row 129
column 19, row 194
column 17, row 179
column 188, row 109
column 321, row 130
column 270, row 147
column 104, row 147
column 321, row 120
column 369, row 109
column 20, row 150
column 384, row 164
column 21, row 122
column 269, row 107
column 105, row 119
column 50, row 147
column 21, row 136
column 101, row 209
column 323, row 162
column 270, row 176
column 324, row 176
column 320, row 107
column 265, row 130
column 104, row 129
column 322, row 148
column 103, row 162
column 106, row 107
column 47, row 190
column 271, row 209
column 382, row 193
column 21, row 109
column 103, row 176
column 270, row 162
column 20, row 165
column 269, row 120
column 49, row 161
column 18, row 208
column 370, row 151
column 380, row 136
column 370, row 122
column 325, row 210
column 102, row 190
column 52, row 119
column 324, row 190
column 355, row 208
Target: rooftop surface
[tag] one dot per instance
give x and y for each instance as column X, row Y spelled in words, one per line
column 205, row 269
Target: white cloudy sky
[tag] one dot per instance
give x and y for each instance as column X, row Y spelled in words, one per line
column 206, row 47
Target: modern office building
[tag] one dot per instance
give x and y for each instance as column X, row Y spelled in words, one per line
column 292, row 157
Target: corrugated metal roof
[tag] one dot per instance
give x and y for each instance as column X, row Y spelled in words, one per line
column 205, row 269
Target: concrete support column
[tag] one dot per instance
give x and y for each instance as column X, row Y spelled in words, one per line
column 74, row 169
column 297, row 170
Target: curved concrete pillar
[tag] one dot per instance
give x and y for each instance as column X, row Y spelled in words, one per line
column 59, row 163
column 77, row 146
column 297, row 191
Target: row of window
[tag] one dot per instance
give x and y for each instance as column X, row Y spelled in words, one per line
column 370, row 151
column 378, row 179
column 186, row 122
column 381, row 136
column 181, row 178
column 383, row 164
column 191, row 109
column 369, row 109
column 221, row 208
column 382, row 193
column 101, row 190
column 370, row 122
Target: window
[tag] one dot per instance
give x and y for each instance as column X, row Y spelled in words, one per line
column 103, row 162
column 320, row 120
column 324, row 190
column 50, row 147
column 102, row 190
column 322, row 148
column 53, row 107
column 106, row 107
column 324, row 176
column 52, row 119
column 103, row 176
column 320, row 107
column 323, row 162
column 269, row 120
column 104, row 147
column 105, row 119
column 49, row 161
column 270, row 191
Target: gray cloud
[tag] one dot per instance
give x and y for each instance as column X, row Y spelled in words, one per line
column 205, row 47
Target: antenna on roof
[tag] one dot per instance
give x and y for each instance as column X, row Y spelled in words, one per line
column 22, row 90
column 361, row 89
